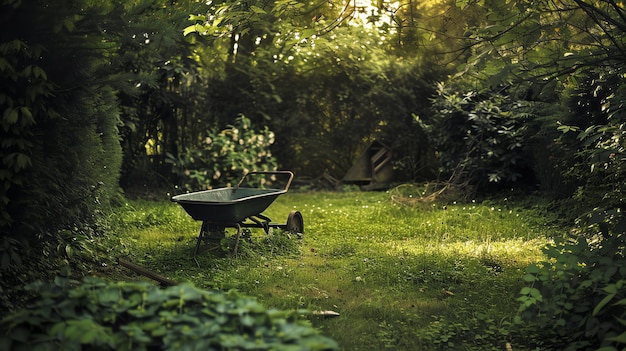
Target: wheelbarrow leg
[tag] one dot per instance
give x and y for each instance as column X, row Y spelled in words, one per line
column 236, row 239
column 203, row 230
column 260, row 221
column 210, row 233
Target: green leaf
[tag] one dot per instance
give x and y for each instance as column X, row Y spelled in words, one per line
column 611, row 289
column 602, row 303
column 536, row 294
column 258, row 10
column 38, row 72
column 533, row 268
column 201, row 18
column 462, row 3
column 567, row 129
column 57, row 328
column 22, row 161
column 306, row 33
column 191, row 29
column 27, row 117
column 500, row 77
column 188, row 292
column 621, row 302
column 620, row 338
column 4, row 65
column 247, row 320
column 10, row 116
column 108, row 296
column 68, row 23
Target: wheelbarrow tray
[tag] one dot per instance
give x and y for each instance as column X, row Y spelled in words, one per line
column 227, row 205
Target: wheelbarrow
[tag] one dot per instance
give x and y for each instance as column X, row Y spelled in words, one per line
column 237, row 207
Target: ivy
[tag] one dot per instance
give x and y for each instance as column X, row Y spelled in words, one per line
column 25, row 89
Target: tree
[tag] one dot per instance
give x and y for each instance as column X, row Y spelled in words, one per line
column 545, row 40
column 297, row 69
column 163, row 103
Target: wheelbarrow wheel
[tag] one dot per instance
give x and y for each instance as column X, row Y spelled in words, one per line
column 295, row 223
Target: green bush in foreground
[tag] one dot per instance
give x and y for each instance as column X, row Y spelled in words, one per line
column 140, row 316
column 576, row 299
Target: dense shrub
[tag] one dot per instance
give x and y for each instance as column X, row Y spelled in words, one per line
column 225, row 156
column 577, row 297
column 139, row 316
column 550, row 153
column 59, row 128
column 480, row 137
column 596, row 134
column 60, row 154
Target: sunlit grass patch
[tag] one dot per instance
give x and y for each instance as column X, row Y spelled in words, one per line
column 516, row 250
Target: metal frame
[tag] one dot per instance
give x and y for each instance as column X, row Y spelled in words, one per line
column 294, row 224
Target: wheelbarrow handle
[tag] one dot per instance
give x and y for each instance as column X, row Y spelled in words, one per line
column 287, row 173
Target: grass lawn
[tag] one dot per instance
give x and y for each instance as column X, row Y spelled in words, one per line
column 400, row 277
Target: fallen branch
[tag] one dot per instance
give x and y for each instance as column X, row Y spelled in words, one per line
column 146, row 272
column 456, row 187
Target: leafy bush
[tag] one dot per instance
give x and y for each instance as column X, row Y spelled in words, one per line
column 577, row 297
column 224, row 156
column 60, row 154
column 480, row 138
column 140, row 316
column 60, row 145
column 598, row 141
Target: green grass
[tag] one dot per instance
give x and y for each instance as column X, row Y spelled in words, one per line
column 401, row 277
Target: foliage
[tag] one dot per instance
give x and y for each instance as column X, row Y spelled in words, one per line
column 55, row 122
column 549, row 46
column 18, row 102
column 543, row 40
column 225, row 155
column 480, row 137
column 323, row 96
column 163, row 104
column 346, row 97
column 473, row 333
column 140, row 316
column 60, row 149
column 595, row 135
column 577, row 296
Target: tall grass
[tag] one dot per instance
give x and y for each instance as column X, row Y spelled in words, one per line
column 402, row 277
